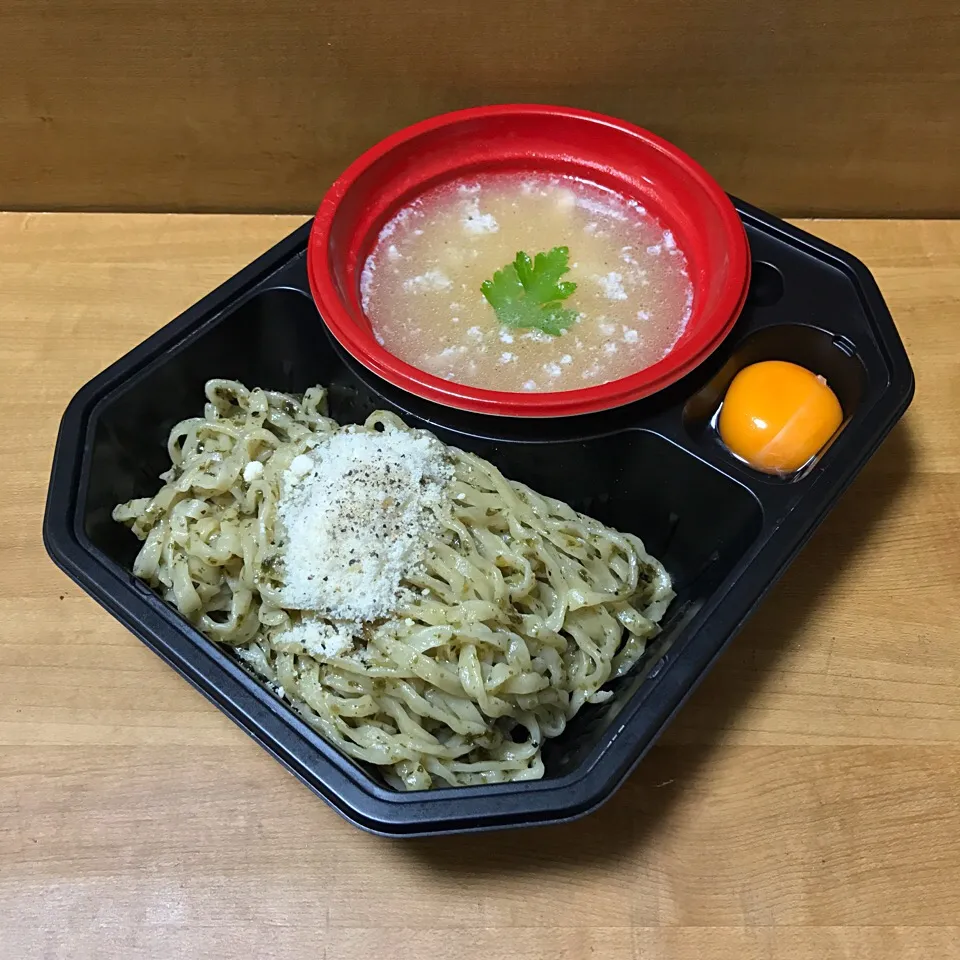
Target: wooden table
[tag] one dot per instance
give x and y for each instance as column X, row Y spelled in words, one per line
column 806, row 803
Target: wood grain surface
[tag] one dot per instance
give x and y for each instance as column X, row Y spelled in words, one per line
column 800, row 106
column 803, row 806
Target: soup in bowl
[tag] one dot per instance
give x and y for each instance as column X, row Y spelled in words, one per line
column 528, row 261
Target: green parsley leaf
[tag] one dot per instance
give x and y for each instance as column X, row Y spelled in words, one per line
column 529, row 293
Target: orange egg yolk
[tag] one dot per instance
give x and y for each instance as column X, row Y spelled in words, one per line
column 777, row 415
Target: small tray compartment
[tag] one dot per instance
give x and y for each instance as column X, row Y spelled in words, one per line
column 724, row 532
column 829, row 355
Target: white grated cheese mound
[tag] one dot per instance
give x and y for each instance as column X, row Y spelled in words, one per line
column 357, row 521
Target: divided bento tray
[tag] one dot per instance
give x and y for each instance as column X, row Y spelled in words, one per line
column 654, row 468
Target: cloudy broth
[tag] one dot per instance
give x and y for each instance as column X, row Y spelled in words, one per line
column 421, row 285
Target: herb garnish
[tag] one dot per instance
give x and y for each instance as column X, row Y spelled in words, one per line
column 528, row 293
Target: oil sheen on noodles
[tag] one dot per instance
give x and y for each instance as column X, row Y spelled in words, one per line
column 521, row 611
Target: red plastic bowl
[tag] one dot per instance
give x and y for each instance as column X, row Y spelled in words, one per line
column 526, row 137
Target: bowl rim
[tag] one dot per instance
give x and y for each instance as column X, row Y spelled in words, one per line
column 363, row 347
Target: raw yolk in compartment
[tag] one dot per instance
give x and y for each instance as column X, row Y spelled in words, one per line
column 777, row 415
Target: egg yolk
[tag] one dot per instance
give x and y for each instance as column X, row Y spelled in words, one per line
column 777, row 415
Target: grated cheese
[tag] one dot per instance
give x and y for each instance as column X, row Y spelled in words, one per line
column 357, row 519
column 252, row 471
column 320, row 639
column 300, row 466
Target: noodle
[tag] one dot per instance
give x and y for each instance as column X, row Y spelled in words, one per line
column 519, row 613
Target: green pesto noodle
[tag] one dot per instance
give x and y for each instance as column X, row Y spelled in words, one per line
column 520, row 613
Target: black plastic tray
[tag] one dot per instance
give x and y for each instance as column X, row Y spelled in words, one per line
column 655, row 468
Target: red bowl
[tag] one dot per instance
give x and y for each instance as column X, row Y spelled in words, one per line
column 527, row 137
